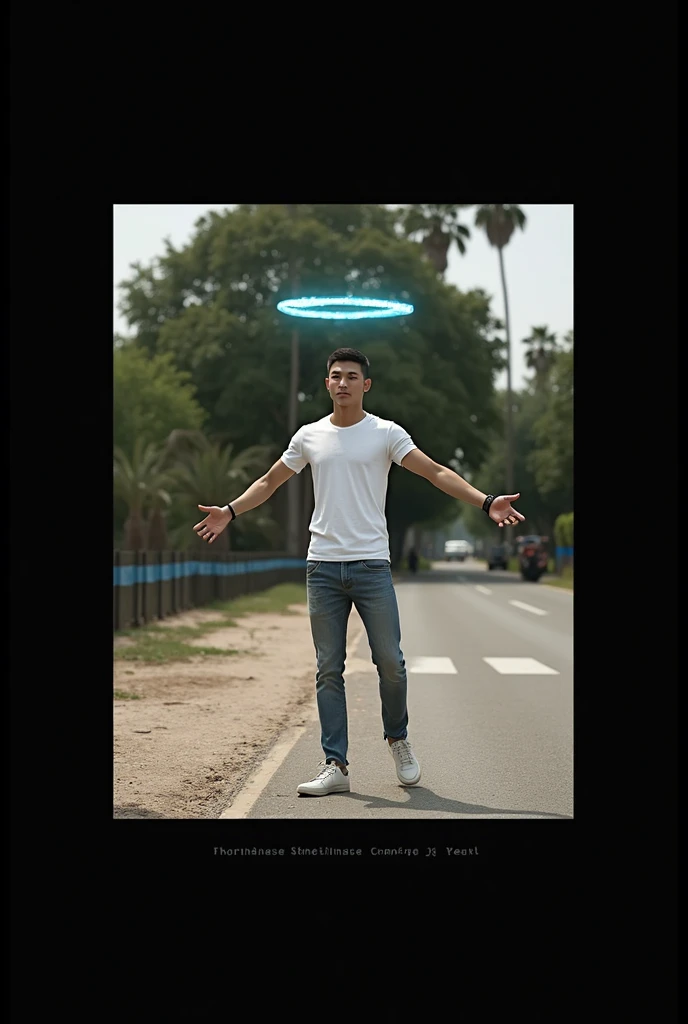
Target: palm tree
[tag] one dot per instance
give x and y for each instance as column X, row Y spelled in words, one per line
column 541, row 350
column 141, row 481
column 437, row 225
column 500, row 222
column 205, row 472
column 157, row 525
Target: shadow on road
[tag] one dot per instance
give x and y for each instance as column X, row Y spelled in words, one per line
column 421, row 799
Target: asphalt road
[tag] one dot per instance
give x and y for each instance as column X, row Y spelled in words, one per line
column 494, row 737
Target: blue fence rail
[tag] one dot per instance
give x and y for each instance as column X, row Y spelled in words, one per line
column 150, row 585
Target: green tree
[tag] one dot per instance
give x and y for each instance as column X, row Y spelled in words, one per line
column 540, row 507
column 541, row 348
column 157, row 522
column 211, row 307
column 207, row 472
column 500, row 222
column 151, row 397
column 141, row 481
column 564, row 536
column 436, row 226
column 551, row 460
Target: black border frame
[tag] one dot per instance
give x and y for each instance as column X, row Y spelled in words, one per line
column 621, row 844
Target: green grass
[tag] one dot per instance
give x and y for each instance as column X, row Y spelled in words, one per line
column 156, row 644
column 125, row 695
column 565, row 580
column 154, row 648
column 276, row 599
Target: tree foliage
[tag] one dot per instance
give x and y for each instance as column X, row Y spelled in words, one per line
column 543, row 471
column 436, row 225
column 551, row 460
column 200, row 467
column 209, row 308
column 563, row 530
column 152, row 397
column 541, row 347
column 499, row 221
column 141, row 482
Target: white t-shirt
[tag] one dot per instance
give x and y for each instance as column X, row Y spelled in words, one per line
column 350, row 467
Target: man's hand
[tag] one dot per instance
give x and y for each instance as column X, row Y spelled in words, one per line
column 214, row 523
column 502, row 513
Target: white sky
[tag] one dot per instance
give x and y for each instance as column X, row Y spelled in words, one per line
column 538, row 263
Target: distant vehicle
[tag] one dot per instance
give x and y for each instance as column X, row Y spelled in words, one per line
column 497, row 557
column 457, row 550
column 532, row 556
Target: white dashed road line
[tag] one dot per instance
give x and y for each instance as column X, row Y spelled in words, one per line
column 483, row 590
column 432, row 666
column 520, row 667
column 528, row 607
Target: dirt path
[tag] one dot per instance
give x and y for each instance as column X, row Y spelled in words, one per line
column 201, row 727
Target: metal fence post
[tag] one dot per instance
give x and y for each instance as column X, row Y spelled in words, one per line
column 136, row 590
column 173, row 582
column 160, row 584
column 143, row 562
column 117, row 590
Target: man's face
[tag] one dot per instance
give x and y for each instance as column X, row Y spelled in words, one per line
column 346, row 383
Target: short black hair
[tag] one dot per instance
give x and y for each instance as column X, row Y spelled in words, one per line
column 350, row 355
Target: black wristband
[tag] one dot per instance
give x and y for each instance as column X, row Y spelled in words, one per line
column 488, row 501
column 233, row 513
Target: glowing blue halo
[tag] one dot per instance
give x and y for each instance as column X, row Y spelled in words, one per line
column 309, row 307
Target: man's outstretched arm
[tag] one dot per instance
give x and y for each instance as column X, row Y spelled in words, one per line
column 262, row 488
column 219, row 516
column 451, row 483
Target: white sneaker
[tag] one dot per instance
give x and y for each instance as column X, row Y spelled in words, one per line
column 408, row 769
column 330, row 779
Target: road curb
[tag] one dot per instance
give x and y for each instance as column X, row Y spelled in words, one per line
column 246, row 796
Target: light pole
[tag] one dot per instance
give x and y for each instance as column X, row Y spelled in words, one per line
column 293, row 487
column 509, row 393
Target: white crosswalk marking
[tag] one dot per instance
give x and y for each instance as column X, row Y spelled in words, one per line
column 483, row 590
column 528, row 607
column 432, row 666
column 520, row 667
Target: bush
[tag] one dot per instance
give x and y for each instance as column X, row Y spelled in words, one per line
column 563, row 530
column 563, row 533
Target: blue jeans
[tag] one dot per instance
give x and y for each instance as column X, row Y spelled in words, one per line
column 332, row 589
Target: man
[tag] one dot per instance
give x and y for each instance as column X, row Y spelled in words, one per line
column 348, row 562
